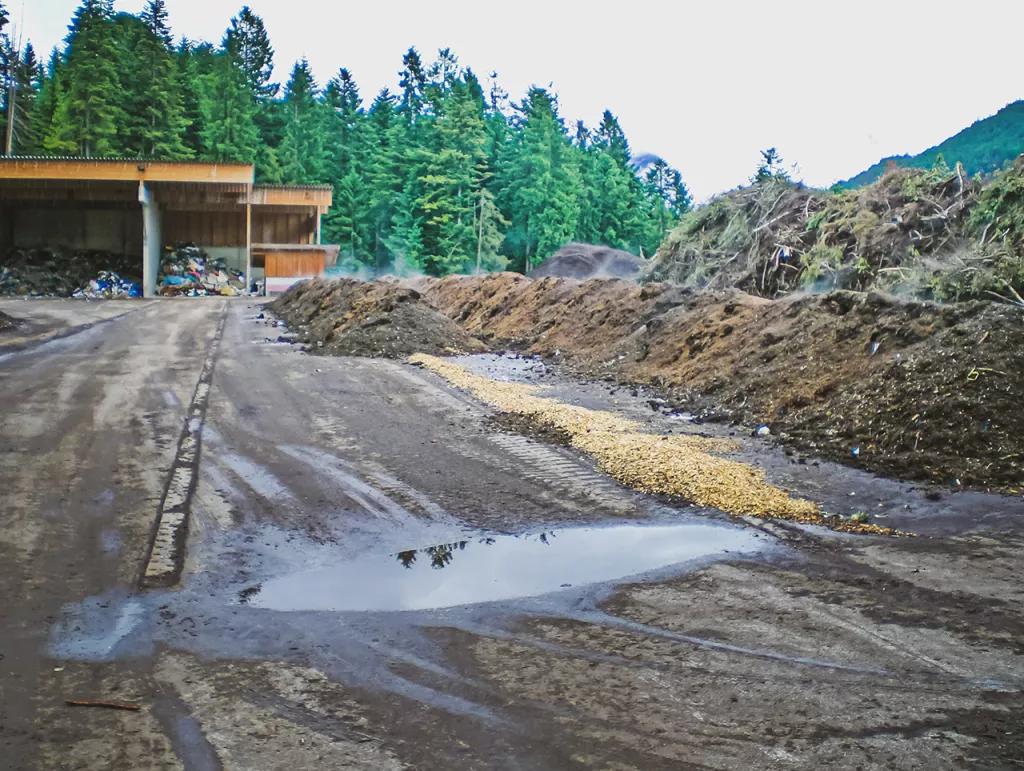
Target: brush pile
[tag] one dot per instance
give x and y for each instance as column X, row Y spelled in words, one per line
column 932, row 233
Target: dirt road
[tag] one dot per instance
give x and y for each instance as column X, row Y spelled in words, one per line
column 379, row 575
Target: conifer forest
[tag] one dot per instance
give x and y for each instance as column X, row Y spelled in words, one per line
column 444, row 173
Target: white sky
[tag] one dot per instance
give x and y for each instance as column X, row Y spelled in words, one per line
column 833, row 85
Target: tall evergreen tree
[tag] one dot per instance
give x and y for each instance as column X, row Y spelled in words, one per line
column 302, row 152
column 541, row 184
column 413, row 82
column 229, row 133
column 156, row 124
column 248, row 45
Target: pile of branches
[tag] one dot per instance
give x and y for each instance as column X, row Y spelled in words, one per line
column 910, row 231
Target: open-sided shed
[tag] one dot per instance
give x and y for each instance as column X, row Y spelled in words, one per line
column 139, row 206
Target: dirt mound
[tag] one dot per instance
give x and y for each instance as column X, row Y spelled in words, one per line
column 585, row 261
column 7, row 323
column 353, row 318
column 905, row 388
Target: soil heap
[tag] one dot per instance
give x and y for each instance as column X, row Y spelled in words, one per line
column 584, row 261
column 354, row 318
column 7, row 323
column 906, row 388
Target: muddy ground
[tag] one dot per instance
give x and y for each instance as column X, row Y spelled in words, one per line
column 779, row 647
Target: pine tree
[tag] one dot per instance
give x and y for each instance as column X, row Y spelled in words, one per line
column 92, row 109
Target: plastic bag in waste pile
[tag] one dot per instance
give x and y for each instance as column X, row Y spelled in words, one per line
column 186, row 270
column 58, row 273
column 107, row 286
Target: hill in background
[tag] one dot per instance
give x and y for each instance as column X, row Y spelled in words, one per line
column 984, row 146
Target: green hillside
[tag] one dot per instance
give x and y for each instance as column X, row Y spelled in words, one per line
column 984, row 146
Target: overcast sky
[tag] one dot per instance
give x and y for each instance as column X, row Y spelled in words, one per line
column 833, row 85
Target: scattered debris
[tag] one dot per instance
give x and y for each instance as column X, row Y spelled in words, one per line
column 763, row 430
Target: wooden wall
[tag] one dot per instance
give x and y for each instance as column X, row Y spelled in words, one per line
column 205, row 228
column 111, row 230
column 282, row 228
column 294, row 263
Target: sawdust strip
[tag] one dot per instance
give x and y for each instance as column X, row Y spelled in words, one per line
column 679, row 466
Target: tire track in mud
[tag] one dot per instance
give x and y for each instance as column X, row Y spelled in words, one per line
column 555, row 469
column 165, row 557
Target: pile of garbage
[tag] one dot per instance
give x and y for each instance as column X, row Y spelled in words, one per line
column 80, row 273
column 108, row 286
column 186, row 270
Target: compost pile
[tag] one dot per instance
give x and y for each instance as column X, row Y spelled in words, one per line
column 584, row 261
column 907, row 388
column 354, row 318
column 186, row 270
column 82, row 273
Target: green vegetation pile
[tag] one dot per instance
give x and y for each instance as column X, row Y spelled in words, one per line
column 935, row 234
column 902, row 387
column 382, row 318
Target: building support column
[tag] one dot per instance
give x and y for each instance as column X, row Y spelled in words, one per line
column 248, row 240
column 318, row 215
column 151, row 240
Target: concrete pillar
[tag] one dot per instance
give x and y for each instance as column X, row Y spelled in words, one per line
column 318, row 226
column 152, row 241
column 248, row 241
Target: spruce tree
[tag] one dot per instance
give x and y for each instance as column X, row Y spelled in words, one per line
column 91, row 109
column 248, row 44
column 413, row 82
column 541, row 181
column 157, row 122
column 229, row 133
column 302, row 153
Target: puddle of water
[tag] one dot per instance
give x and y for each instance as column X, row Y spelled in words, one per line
column 498, row 568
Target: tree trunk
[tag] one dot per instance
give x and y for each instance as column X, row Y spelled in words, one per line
column 480, row 238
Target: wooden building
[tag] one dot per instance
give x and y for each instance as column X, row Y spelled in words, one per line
column 140, row 206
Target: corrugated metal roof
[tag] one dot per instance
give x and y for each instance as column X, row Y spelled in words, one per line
column 79, row 159
column 292, row 187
